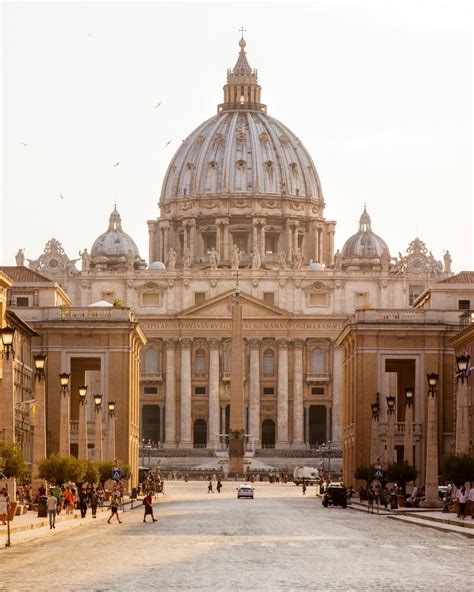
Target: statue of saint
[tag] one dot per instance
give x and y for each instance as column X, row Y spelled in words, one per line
column 282, row 259
column 171, row 258
column 20, row 258
column 298, row 263
column 255, row 258
column 213, row 259
column 447, row 261
column 337, row 260
column 86, row 260
column 236, row 255
column 130, row 260
column 384, row 260
column 187, row 259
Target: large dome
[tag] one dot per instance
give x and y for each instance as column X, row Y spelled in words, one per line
column 242, row 150
column 364, row 243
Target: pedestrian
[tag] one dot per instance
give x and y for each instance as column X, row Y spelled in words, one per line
column 3, row 506
column 114, row 506
column 94, row 500
column 83, row 503
column 52, row 504
column 461, row 494
column 148, row 502
column 219, row 486
column 304, row 487
column 209, row 487
column 448, row 498
column 471, row 500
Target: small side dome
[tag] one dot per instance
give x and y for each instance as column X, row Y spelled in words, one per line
column 364, row 244
column 316, row 267
column 157, row 265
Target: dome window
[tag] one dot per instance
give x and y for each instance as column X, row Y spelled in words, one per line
column 241, row 165
column 213, row 164
column 241, row 136
column 294, row 167
column 199, row 139
column 269, row 165
column 264, row 137
column 284, row 140
column 190, row 166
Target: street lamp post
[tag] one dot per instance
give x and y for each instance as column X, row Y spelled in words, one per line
column 408, row 440
column 111, row 431
column 82, row 435
column 7, row 411
column 390, row 429
column 462, row 404
column 98, row 428
column 39, row 434
column 431, row 469
column 374, row 444
column 64, row 415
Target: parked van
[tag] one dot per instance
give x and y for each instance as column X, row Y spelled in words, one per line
column 310, row 475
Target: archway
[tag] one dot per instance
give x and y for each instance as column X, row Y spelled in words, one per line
column 200, row 434
column 268, row 433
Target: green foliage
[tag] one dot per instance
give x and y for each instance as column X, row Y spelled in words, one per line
column 364, row 473
column 401, row 473
column 91, row 473
column 118, row 302
column 59, row 469
column 105, row 470
column 126, row 469
column 12, row 462
column 458, row 468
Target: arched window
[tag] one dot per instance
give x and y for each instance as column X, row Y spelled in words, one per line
column 200, row 363
column 150, row 361
column 268, row 362
column 317, row 361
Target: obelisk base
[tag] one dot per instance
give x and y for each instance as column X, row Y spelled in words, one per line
column 236, row 457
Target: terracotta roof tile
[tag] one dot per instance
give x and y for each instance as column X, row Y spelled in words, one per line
column 463, row 277
column 23, row 274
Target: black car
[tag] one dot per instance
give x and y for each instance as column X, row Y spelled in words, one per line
column 335, row 494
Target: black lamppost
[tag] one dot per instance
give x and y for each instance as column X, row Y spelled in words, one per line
column 390, row 428
column 64, row 379
column 431, row 474
column 375, row 429
column 408, row 439
column 8, row 334
column 462, row 364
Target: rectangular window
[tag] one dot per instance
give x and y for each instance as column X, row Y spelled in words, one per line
column 317, row 390
column 199, row 297
column 270, row 243
column 361, row 299
column 107, row 296
column 151, row 299
column 199, row 390
column 241, row 240
column 22, row 301
column 150, row 390
column 268, row 390
column 462, row 304
column 269, row 297
column 318, row 299
column 413, row 293
column 209, row 241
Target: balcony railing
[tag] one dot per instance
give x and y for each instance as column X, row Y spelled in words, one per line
column 317, row 376
column 400, row 428
column 466, row 319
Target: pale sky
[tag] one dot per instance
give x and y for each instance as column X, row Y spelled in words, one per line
column 378, row 91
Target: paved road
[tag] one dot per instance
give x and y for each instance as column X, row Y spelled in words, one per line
column 278, row 541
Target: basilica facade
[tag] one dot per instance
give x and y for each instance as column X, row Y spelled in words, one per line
column 242, row 204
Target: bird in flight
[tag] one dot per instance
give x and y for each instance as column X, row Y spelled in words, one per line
column 168, row 143
column 61, row 196
column 24, row 144
column 116, row 165
column 158, row 104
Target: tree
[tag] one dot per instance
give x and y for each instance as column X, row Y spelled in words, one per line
column 458, row 468
column 401, row 473
column 364, row 473
column 12, row 462
column 59, row 469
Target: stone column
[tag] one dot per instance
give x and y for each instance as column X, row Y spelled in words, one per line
column 192, row 240
column 185, row 238
column 39, row 435
column 255, row 234
column 337, row 395
column 374, row 438
column 213, row 426
column 218, row 240
column 82, row 434
column 111, row 437
column 226, row 240
column 408, row 438
column 262, row 240
column 185, row 440
column 289, row 234
column 306, row 426
column 161, row 439
column 65, row 423
column 170, row 394
column 223, row 426
column 282, row 429
column 315, row 243
column 254, row 392
column 390, row 454
column 98, row 433
column 7, row 407
column 295, row 239
column 320, row 244
column 462, row 416
column 431, row 465
column 298, row 411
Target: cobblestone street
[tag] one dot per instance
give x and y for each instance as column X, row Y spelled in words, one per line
column 278, row 541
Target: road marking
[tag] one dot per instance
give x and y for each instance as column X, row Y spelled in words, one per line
column 418, row 547
column 449, row 547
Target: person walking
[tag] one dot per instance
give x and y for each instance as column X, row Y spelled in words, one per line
column 3, row 506
column 52, row 504
column 94, row 500
column 83, row 503
column 471, row 499
column 209, row 487
column 148, row 502
column 219, row 486
column 304, row 487
column 114, row 506
column 461, row 494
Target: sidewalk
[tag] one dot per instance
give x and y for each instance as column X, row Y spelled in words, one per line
column 424, row 517
column 29, row 527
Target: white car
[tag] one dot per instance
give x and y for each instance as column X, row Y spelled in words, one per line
column 245, row 490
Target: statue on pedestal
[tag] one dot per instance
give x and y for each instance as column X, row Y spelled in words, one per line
column 282, row 259
column 447, row 261
column 213, row 259
column 236, row 256
column 86, row 259
column 255, row 258
column 171, row 258
column 187, row 259
column 20, row 258
column 298, row 263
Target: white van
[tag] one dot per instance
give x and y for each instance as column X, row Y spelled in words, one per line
column 310, row 475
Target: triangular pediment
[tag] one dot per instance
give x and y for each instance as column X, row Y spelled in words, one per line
column 220, row 307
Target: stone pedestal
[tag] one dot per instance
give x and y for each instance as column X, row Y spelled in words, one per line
column 39, row 435
column 236, row 457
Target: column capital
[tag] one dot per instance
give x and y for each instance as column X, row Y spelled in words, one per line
column 283, row 343
column 223, row 221
column 170, row 342
column 254, row 343
column 298, row 344
column 186, row 342
column 164, row 223
column 214, row 343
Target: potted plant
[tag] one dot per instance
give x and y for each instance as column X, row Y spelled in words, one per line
column 457, row 469
column 401, row 473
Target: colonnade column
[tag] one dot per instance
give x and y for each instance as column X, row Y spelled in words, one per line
column 226, row 240
column 289, row 234
column 282, row 403
column 213, row 425
column 170, row 394
column 185, row 440
column 254, row 392
column 298, row 413
column 262, row 240
column 161, row 439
